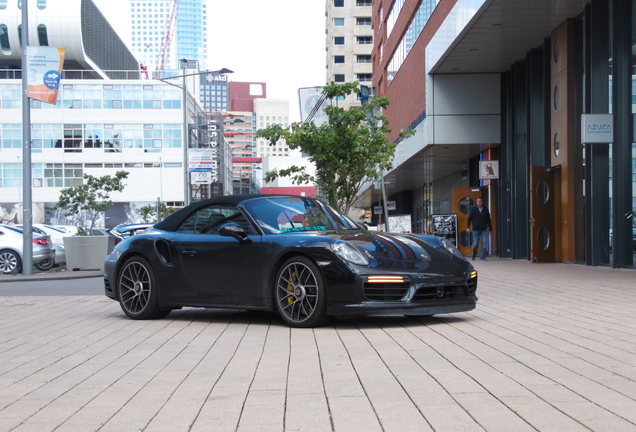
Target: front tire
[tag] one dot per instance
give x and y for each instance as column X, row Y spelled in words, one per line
column 300, row 293
column 137, row 290
column 9, row 261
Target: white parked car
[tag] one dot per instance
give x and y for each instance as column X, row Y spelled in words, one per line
column 11, row 247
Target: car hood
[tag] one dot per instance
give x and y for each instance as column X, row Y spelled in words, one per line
column 402, row 251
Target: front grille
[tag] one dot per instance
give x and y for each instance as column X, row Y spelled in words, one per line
column 440, row 292
column 385, row 291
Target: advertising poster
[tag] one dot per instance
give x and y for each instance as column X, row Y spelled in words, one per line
column 44, row 71
column 400, row 224
column 445, row 225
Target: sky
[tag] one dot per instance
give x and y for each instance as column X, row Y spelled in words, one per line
column 279, row 42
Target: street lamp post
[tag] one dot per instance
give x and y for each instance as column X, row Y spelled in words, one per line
column 188, row 64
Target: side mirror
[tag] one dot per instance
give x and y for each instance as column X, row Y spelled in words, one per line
column 234, row 230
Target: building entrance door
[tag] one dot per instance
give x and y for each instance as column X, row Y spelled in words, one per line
column 464, row 199
column 544, row 202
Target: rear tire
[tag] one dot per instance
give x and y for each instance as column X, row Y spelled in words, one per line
column 45, row 265
column 137, row 290
column 300, row 293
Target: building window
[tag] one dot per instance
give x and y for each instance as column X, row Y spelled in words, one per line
column 338, row 3
column 363, row 2
column 73, row 138
column 363, row 58
column 338, row 22
column 41, row 4
column 4, row 38
column 3, row 4
column 364, row 40
column 364, row 21
column 339, row 78
column 339, row 59
column 365, row 77
column 43, row 38
column 338, row 40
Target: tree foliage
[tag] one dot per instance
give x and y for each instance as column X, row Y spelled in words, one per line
column 348, row 150
column 92, row 197
column 148, row 212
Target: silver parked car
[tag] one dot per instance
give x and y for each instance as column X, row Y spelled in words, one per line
column 57, row 238
column 11, row 246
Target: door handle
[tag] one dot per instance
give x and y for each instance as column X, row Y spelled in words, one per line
column 189, row 252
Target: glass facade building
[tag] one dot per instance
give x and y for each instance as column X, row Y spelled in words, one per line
column 148, row 21
column 504, row 98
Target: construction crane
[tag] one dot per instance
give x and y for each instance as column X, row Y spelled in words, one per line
column 166, row 39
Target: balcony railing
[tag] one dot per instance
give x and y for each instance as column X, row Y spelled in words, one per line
column 81, row 74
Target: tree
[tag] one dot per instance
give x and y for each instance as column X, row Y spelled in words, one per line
column 92, row 197
column 149, row 212
column 348, row 151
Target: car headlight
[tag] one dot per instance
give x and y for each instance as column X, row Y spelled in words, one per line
column 450, row 247
column 351, row 253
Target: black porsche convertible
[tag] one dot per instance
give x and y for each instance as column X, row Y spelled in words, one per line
column 291, row 254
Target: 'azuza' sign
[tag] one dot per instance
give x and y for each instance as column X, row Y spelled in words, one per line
column 597, row 128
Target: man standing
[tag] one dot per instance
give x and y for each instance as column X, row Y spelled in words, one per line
column 479, row 216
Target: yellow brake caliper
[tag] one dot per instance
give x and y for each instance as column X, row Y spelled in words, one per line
column 290, row 288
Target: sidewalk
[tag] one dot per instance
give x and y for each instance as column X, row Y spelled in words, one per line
column 550, row 347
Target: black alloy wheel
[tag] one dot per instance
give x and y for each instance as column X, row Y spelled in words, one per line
column 137, row 290
column 300, row 293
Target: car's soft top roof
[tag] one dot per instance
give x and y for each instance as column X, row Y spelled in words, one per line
column 173, row 221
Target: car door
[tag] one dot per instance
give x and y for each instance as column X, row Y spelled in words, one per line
column 220, row 270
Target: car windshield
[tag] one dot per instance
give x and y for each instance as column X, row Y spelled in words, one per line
column 295, row 214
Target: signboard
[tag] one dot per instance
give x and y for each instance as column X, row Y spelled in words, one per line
column 45, row 71
column 390, row 205
column 201, row 165
column 312, row 105
column 445, row 225
column 377, row 210
column 488, row 170
column 201, row 177
column 597, row 128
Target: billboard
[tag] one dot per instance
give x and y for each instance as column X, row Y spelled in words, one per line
column 44, row 71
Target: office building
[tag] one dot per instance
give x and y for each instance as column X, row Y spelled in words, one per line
column 269, row 112
column 349, row 43
column 213, row 91
column 529, row 104
column 103, row 121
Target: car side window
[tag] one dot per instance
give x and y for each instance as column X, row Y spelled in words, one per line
column 209, row 219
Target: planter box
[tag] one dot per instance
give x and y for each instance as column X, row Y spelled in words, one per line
column 87, row 252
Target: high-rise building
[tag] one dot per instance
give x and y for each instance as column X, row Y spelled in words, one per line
column 149, row 20
column 243, row 94
column 213, row 91
column 269, row 112
column 349, row 43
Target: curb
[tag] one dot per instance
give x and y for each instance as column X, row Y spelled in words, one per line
column 56, row 275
